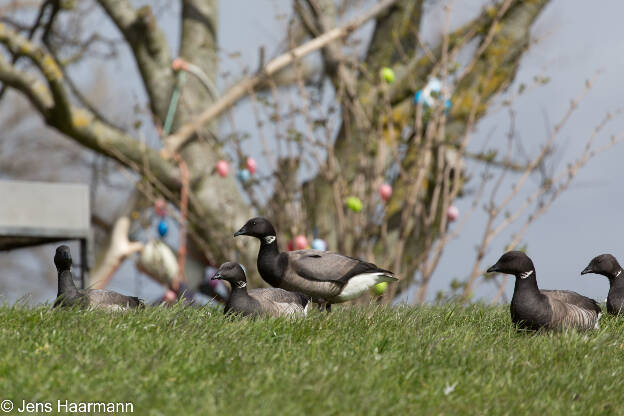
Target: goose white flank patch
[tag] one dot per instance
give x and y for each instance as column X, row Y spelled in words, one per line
column 69, row 295
column 359, row 284
column 259, row 302
column 607, row 265
column 325, row 276
column 532, row 308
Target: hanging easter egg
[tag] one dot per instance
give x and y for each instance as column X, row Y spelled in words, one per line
column 434, row 85
column 243, row 175
column 319, row 244
column 179, row 64
column 170, row 296
column 388, row 75
column 354, row 203
column 452, row 213
column 301, row 242
column 428, row 96
column 163, row 227
column 223, row 168
column 418, row 98
column 385, row 191
column 290, row 246
column 251, row 164
column 447, row 105
column 160, row 207
column 379, row 288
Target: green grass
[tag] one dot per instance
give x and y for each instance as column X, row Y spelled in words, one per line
column 356, row 360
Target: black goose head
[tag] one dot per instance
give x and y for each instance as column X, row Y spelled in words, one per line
column 604, row 264
column 514, row 262
column 258, row 227
column 62, row 258
column 233, row 273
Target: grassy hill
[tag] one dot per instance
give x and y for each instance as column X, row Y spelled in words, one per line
column 371, row 360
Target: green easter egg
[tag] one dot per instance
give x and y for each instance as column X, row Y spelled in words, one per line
column 388, row 75
column 380, row 288
column 354, row 204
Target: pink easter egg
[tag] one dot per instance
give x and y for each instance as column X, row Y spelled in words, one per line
column 251, row 164
column 160, row 207
column 170, row 296
column 223, row 168
column 385, row 191
column 178, row 64
column 301, row 242
column 452, row 213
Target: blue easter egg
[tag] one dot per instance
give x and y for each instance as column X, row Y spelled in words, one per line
column 318, row 244
column 417, row 96
column 243, row 175
column 163, row 227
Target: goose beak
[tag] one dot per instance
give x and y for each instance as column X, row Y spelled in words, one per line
column 492, row 269
column 242, row 231
column 586, row 270
column 217, row 276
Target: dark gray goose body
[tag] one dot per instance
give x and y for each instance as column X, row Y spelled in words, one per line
column 532, row 308
column 69, row 295
column 323, row 275
column 608, row 266
column 259, row 302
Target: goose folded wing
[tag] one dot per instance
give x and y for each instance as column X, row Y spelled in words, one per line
column 280, row 295
column 109, row 298
column 328, row 266
column 566, row 315
column 280, row 302
column 573, row 298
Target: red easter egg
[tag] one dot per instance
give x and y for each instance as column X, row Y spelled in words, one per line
column 290, row 246
column 170, row 296
column 223, row 168
column 251, row 164
column 301, row 242
column 160, row 207
column 452, row 213
column 385, row 191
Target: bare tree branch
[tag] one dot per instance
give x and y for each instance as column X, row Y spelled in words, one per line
column 185, row 133
column 150, row 48
column 80, row 124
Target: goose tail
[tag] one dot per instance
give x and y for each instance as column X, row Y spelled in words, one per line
column 137, row 302
column 387, row 276
column 305, row 302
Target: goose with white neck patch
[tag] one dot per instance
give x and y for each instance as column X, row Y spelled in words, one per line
column 69, row 295
column 325, row 276
column 532, row 308
column 258, row 302
column 608, row 266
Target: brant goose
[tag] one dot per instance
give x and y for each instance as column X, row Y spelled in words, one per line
column 258, row 302
column 607, row 265
column 69, row 295
column 532, row 308
column 325, row 276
